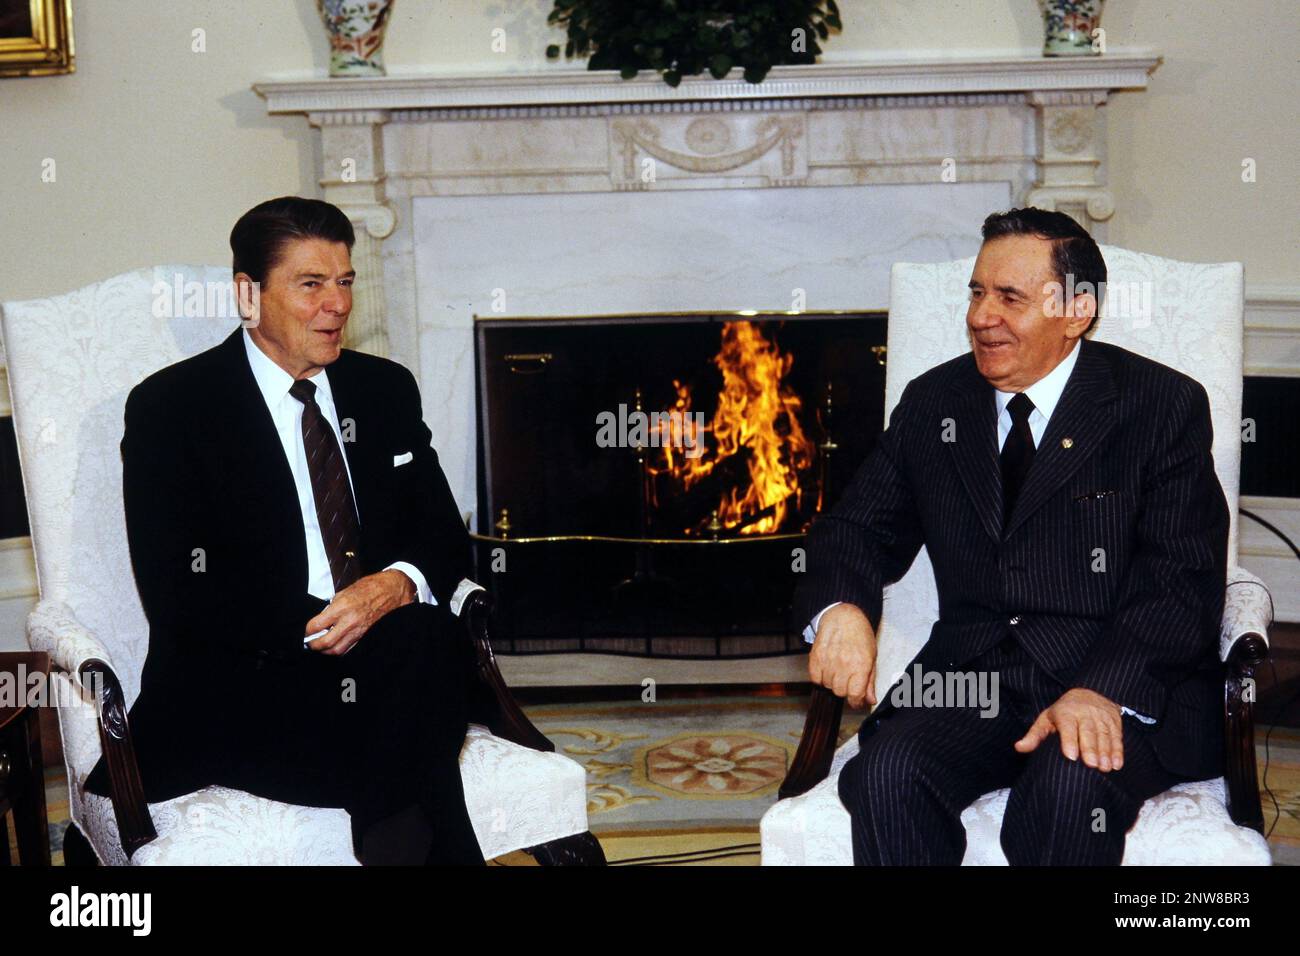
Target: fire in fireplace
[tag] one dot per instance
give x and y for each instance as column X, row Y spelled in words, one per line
column 645, row 481
column 754, row 457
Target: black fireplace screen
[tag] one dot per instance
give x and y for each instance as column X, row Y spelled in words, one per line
column 645, row 481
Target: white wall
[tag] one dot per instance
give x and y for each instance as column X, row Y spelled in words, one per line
column 160, row 148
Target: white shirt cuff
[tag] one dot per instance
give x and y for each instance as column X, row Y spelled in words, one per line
column 422, row 592
column 810, row 632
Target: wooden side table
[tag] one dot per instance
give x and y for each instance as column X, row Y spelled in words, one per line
column 22, row 768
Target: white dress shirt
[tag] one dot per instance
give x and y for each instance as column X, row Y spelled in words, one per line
column 286, row 412
column 1045, row 394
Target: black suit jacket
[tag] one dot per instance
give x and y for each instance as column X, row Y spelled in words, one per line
column 1137, row 481
column 217, row 540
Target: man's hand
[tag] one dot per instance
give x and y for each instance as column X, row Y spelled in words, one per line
column 356, row 608
column 843, row 657
column 1087, row 723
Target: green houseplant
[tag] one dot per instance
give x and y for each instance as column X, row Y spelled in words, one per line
column 685, row 37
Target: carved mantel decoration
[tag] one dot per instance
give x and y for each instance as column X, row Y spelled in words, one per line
column 706, row 145
column 1032, row 122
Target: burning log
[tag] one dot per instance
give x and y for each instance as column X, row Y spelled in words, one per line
column 753, row 519
column 681, row 507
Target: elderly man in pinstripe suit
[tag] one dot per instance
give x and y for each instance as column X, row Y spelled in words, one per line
column 1066, row 494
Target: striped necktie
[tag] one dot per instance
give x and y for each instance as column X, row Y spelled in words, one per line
column 335, row 509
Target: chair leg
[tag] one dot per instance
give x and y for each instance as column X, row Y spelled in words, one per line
column 581, row 849
column 76, row 848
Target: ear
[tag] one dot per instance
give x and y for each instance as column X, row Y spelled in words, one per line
column 1079, row 313
column 249, row 295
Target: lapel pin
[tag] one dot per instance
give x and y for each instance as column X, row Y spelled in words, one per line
column 1067, row 442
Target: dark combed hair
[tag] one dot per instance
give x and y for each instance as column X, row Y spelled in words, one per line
column 260, row 235
column 1074, row 251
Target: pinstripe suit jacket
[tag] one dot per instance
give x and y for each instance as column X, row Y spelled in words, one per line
column 1112, row 567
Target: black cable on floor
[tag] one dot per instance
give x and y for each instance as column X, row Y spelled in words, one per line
column 1285, row 705
column 703, row 859
column 692, row 855
column 1281, row 708
column 1271, row 527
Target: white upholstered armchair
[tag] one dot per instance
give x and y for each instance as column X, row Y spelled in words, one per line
column 72, row 360
column 1184, row 315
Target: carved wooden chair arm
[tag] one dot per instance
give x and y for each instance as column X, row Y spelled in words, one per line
column 821, row 730
column 126, row 790
column 1242, row 783
column 510, row 722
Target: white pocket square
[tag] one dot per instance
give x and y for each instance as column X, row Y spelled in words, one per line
column 402, row 459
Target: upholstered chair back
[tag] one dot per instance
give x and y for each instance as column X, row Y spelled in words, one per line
column 72, row 360
column 1182, row 314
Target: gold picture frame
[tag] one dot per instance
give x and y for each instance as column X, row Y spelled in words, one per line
column 36, row 38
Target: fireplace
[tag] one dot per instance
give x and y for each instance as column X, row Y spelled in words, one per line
column 645, row 480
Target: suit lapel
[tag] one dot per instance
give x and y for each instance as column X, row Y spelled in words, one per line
column 254, row 441
column 1085, row 415
column 973, row 408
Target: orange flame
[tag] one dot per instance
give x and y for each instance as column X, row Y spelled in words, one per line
column 757, row 415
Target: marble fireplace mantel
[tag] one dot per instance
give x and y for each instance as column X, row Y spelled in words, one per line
column 307, row 93
column 1033, row 122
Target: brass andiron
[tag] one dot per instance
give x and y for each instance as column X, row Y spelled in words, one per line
column 644, row 587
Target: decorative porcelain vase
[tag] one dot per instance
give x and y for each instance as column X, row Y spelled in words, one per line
column 356, row 29
column 1068, row 27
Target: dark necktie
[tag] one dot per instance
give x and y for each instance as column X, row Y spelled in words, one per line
column 335, row 509
column 1017, row 453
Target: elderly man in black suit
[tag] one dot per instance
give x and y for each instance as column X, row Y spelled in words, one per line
column 296, row 548
column 1066, row 494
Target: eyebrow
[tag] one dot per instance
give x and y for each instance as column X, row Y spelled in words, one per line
column 1005, row 289
column 350, row 274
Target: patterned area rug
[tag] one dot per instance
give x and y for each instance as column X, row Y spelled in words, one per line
column 678, row 783
column 697, row 764
column 684, row 783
